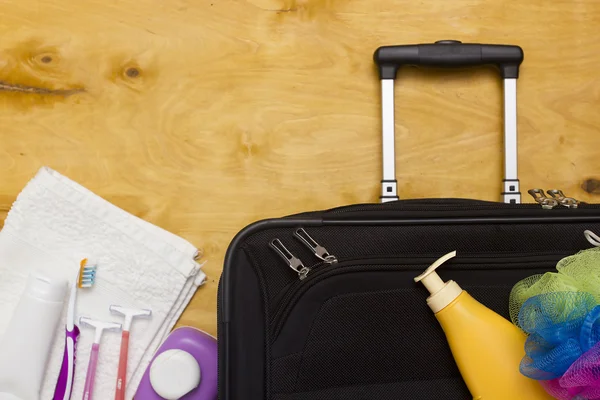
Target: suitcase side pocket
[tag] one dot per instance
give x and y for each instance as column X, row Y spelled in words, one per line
column 353, row 327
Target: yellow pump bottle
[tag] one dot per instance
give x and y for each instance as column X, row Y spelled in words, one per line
column 486, row 347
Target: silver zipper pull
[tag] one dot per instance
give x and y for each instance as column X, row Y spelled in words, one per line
column 292, row 261
column 318, row 250
column 540, row 197
column 565, row 201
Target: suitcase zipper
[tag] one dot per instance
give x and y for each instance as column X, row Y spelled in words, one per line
column 298, row 288
column 294, row 262
column 540, row 197
column 291, row 260
column 319, row 251
column 564, row 201
column 557, row 197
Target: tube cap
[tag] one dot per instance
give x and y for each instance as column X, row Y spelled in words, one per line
column 442, row 293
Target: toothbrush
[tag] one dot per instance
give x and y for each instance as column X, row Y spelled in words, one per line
column 86, row 276
column 100, row 326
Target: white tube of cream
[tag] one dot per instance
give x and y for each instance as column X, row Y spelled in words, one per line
column 26, row 344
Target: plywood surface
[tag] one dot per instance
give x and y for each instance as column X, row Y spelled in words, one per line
column 203, row 116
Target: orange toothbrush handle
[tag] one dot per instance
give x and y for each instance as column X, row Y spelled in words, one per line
column 122, row 374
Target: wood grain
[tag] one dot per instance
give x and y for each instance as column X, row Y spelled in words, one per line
column 204, row 116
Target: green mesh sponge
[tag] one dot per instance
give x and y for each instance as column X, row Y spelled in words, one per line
column 584, row 268
column 536, row 285
column 576, row 273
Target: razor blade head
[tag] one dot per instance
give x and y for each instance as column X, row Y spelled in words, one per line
column 103, row 325
column 133, row 312
column 130, row 314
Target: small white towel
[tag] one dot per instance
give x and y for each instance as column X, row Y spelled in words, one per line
column 52, row 225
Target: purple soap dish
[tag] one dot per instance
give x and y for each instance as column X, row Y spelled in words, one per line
column 199, row 344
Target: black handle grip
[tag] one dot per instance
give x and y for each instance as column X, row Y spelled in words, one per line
column 449, row 53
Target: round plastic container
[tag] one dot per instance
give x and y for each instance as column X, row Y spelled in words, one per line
column 202, row 347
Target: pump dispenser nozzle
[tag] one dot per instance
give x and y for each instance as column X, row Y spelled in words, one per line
column 442, row 293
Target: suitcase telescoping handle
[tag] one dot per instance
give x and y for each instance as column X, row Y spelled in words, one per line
column 450, row 53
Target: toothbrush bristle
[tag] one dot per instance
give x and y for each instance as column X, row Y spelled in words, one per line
column 87, row 274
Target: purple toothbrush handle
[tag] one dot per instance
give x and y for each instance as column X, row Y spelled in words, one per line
column 88, row 390
column 64, row 385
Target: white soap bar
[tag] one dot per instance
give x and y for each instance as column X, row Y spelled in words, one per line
column 174, row 374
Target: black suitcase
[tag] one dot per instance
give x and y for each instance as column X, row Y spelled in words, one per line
column 322, row 305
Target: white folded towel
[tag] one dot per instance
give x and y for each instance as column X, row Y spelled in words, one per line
column 52, row 225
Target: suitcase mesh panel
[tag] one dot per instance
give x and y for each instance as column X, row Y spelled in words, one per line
column 364, row 346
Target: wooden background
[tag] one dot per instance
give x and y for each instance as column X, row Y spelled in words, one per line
column 202, row 116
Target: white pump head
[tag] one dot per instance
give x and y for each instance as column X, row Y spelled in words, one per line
column 130, row 314
column 442, row 293
column 100, row 326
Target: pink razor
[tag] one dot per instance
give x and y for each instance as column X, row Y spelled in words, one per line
column 129, row 314
column 100, row 326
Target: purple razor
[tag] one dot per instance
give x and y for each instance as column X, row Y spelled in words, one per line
column 64, row 386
